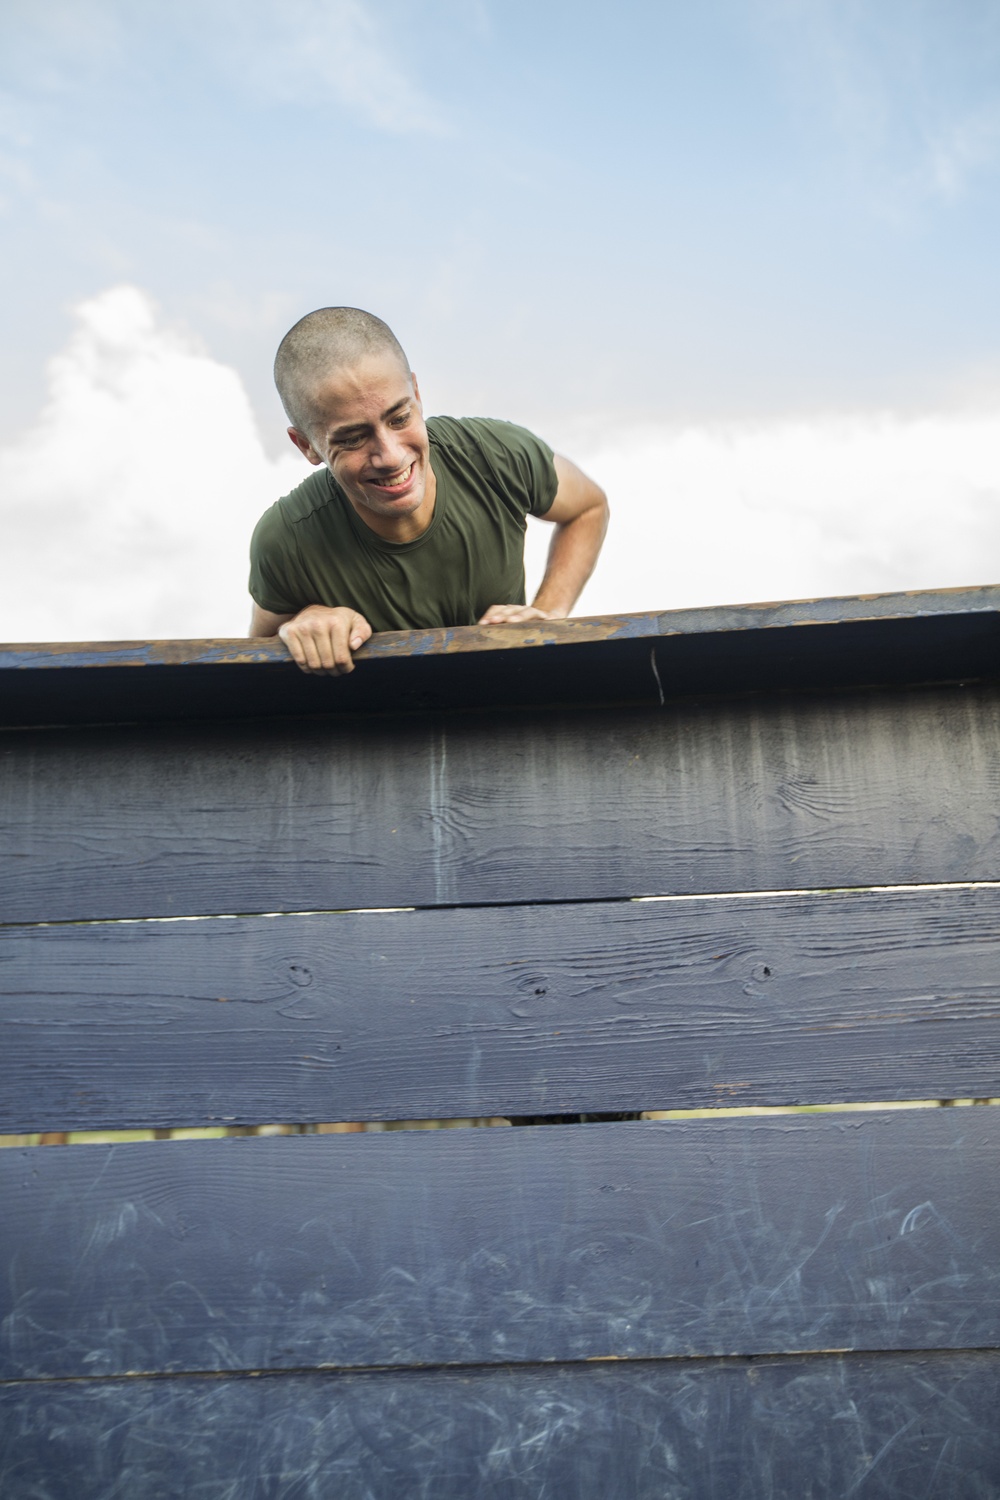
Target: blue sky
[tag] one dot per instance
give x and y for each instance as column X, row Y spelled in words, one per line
column 618, row 224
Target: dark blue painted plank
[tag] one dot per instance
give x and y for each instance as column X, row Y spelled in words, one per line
column 882, row 1428
column 896, row 638
column 749, row 794
column 472, row 639
column 510, row 1010
column 733, row 1236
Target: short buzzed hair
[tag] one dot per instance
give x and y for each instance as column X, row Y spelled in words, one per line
column 320, row 343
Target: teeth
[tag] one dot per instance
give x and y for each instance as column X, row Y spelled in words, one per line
column 392, row 484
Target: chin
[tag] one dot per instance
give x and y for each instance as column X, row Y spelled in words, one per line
column 406, row 504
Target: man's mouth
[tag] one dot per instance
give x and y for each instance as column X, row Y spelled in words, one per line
column 397, row 482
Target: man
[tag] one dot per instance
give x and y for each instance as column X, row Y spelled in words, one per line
column 409, row 524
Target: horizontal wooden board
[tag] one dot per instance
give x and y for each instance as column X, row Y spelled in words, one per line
column 879, row 1428
column 733, row 1236
column 688, row 1003
column 748, row 794
column 932, row 636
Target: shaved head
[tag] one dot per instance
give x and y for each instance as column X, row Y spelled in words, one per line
column 321, row 343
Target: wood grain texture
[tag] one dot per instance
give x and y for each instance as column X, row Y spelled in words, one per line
column 733, row 1236
column 948, row 635
column 749, row 794
column 502, row 1010
column 882, row 1428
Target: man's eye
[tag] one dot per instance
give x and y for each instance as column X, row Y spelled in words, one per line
column 350, row 442
column 400, row 419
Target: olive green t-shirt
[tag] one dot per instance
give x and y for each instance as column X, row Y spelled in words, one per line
column 311, row 547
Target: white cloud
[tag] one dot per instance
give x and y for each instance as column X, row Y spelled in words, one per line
column 795, row 509
column 302, row 50
column 127, row 508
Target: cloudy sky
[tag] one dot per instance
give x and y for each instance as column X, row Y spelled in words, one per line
column 737, row 258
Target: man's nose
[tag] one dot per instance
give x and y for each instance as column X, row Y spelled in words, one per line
column 388, row 451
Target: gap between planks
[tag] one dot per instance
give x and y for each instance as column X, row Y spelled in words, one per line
column 331, row 1372
column 374, row 1127
column 378, row 911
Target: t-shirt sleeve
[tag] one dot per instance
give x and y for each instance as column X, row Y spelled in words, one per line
column 272, row 558
column 522, row 464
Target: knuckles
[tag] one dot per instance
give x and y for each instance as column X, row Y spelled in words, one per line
column 319, row 639
column 513, row 614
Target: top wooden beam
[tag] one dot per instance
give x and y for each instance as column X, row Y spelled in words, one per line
column 870, row 640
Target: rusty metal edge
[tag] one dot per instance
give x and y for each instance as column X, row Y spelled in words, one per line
column 460, row 640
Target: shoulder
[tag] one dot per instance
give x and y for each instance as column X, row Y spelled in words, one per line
column 275, row 526
column 315, row 492
column 508, row 457
column 488, row 436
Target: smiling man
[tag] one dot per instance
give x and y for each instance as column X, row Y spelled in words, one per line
column 408, row 523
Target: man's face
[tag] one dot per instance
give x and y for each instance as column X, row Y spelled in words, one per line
column 368, row 426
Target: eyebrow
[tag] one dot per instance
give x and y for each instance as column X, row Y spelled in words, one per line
column 348, row 431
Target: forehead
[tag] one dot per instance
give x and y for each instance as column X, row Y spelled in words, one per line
column 361, row 392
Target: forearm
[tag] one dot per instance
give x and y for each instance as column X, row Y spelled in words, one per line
column 263, row 622
column 573, row 553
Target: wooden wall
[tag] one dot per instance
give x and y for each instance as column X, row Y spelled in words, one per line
column 198, row 932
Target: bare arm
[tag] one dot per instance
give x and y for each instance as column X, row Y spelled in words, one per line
column 319, row 639
column 263, row 623
column 580, row 515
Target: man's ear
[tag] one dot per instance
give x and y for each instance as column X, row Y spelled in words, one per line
column 304, row 446
column 416, row 389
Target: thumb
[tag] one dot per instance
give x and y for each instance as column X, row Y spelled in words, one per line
column 360, row 632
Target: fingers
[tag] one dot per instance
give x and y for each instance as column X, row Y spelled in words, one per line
column 512, row 614
column 321, row 640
